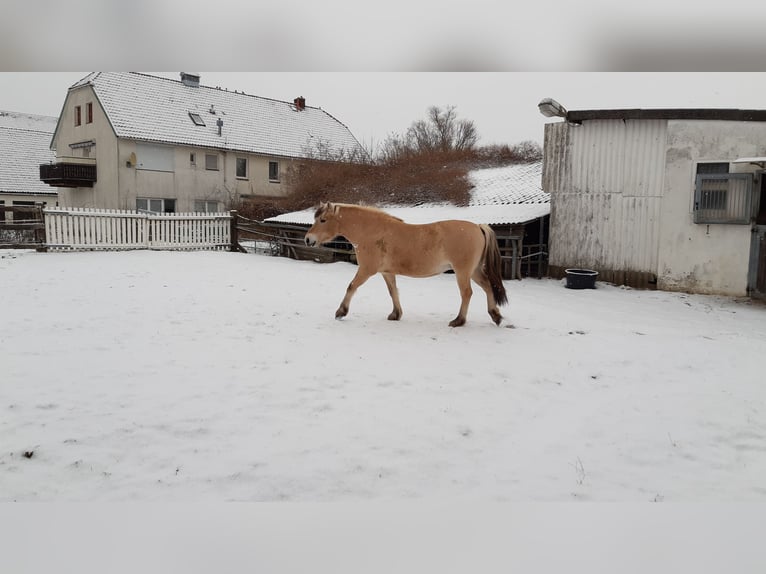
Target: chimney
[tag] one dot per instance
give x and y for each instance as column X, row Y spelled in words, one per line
column 191, row 80
column 300, row 103
column 219, row 123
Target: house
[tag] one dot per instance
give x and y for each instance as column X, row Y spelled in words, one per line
column 673, row 199
column 136, row 141
column 510, row 199
column 24, row 144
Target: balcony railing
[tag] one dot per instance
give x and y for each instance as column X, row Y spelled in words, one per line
column 68, row 174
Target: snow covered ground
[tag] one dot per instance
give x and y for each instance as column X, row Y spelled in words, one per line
column 195, row 377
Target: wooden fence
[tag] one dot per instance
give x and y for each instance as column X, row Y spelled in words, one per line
column 70, row 228
column 22, row 227
column 287, row 240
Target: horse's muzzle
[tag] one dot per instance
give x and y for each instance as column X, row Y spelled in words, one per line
column 310, row 241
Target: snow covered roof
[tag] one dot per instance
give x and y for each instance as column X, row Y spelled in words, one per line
column 151, row 108
column 501, row 195
column 25, row 144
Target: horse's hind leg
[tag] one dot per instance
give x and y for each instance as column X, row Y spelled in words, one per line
column 361, row 276
column 390, row 279
column 483, row 281
column 464, row 284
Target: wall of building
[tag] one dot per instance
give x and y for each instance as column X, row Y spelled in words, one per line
column 105, row 192
column 606, row 183
column 704, row 258
column 622, row 201
column 189, row 181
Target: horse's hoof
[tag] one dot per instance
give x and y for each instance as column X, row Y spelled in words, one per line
column 457, row 322
column 394, row 316
column 341, row 312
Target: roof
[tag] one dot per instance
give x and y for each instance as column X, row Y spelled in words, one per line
column 155, row 109
column 727, row 114
column 501, row 195
column 24, row 145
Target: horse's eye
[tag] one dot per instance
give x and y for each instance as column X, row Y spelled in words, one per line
column 322, row 221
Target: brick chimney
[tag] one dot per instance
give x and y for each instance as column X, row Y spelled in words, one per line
column 300, row 103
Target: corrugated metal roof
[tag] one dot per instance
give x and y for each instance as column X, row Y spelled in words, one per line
column 728, row 114
column 150, row 108
column 24, row 145
column 503, row 195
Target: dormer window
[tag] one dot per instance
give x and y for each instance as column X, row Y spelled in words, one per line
column 197, row 119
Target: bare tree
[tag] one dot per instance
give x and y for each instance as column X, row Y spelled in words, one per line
column 442, row 131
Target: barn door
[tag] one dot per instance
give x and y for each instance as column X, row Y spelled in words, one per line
column 758, row 250
column 759, row 261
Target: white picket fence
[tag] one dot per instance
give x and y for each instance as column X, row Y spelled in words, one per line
column 82, row 228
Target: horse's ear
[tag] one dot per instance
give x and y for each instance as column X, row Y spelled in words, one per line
column 335, row 208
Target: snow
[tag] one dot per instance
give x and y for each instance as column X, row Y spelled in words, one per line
column 208, row 376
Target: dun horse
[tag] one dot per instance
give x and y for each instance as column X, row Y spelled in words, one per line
column 387, row 245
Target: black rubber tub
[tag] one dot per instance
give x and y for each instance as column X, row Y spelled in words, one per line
column 581, row 278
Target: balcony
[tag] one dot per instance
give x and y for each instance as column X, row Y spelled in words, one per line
column 68, row 174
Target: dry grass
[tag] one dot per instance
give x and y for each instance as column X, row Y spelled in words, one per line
column 409, row 179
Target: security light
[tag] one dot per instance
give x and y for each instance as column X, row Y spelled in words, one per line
column 550, row 108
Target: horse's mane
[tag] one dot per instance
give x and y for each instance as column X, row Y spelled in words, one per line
column 369, row 208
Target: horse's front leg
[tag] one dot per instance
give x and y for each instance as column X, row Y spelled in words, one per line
column 390, row 279
column 361, row 276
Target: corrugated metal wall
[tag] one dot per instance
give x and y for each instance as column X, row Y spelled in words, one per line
column 606, row 183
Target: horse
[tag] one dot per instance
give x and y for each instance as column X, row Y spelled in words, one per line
column 387, row 245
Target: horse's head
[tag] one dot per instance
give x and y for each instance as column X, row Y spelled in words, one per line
column 326, row 225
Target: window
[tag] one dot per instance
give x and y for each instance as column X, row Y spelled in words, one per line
column 720, row 196
column 211, row 161
column 197, row 119
column 89, row 113
column 152, row 205
column 192, row 158
column 206, row 206
column 77, row 115
column 273, row 171
column 242, row 167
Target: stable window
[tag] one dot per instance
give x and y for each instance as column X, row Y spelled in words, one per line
column 206, row 206
column 242, row 167
column 153, row 205
column 720, row 196
column 273, row 171
column 89, row 113
column 77, row 115
column 211, row 161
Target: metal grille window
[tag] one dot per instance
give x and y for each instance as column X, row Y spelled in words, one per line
column 211, row 161
column 723, row 198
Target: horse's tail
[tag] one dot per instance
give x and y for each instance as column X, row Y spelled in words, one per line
column 493, row 265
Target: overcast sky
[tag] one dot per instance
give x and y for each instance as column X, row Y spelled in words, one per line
column 503, row 105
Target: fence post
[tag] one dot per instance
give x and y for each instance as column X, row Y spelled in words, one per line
column 40, row 235
column 233, row 232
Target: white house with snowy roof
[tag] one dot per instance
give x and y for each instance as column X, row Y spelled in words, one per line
column 24, row 145
column 127, row 140
column 510, row 199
